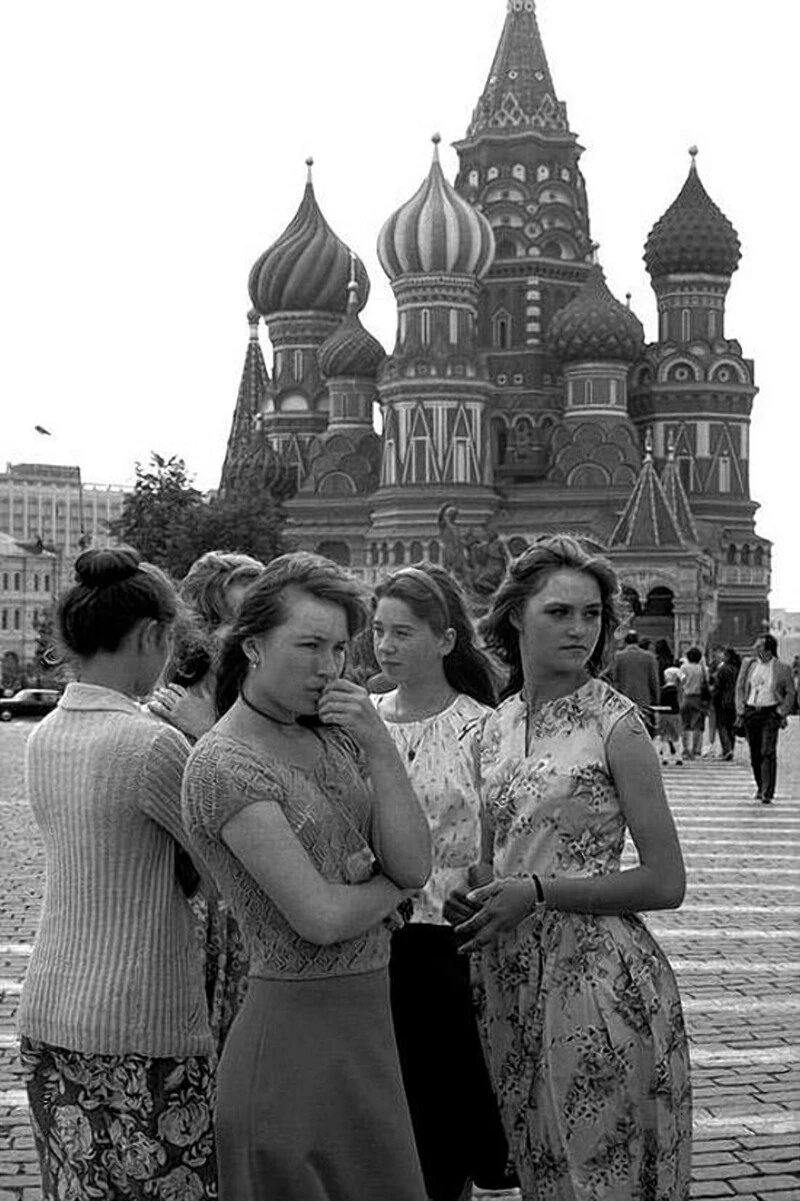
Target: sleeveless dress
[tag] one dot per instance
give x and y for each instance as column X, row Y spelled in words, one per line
column 580, row 1012
column 310, row 1100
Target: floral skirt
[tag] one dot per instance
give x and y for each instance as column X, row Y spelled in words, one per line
column 109, row 1127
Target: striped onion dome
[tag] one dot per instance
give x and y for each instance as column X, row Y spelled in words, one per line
column 307, row 268
column 694, row 237
column 595, row 326
column 436, row 232
column 351, row 351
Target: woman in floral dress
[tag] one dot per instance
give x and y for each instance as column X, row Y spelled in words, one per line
column 580, row 1009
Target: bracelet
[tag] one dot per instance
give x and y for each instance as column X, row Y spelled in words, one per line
column 539, row 903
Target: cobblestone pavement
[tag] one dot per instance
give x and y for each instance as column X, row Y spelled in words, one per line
column 735, row 945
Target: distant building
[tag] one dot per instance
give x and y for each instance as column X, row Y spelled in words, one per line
column 520, row 398
column 50, row 502
column 28, row 583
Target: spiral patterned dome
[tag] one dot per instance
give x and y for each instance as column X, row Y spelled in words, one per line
column 307, row 268
column 694, row 237
column 436, row 232
column 595, row 326
column 351, row 350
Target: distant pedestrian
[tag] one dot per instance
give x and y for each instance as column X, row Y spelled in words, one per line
column 665, row 657
column 669, row 717
column 635, row 674
column 443, row 689
column 696, row 699
column 116, row 1044
column 582, row 1016
column 765, row 694
column 723, row 699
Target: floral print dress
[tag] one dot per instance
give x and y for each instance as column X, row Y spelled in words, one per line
column 580, row 1013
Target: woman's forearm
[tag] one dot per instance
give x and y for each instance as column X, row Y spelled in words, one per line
column 400, row 832
column 636, row 890
column 348, row 910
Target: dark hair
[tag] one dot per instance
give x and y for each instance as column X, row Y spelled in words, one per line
column 263, row 609
column 694, row 654
column 525, row 577
column 770, row 643
column 434, row 597
column 732, row 657
column 631, row 638
column 113, row 591
column 204, row 608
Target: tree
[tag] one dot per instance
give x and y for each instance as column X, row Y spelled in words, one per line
column 47, row 665
column 171, row 524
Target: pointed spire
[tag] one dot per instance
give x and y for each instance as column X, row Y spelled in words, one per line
column 647, row 522
column 254, row 389
column 676, row 496
column 519, row 92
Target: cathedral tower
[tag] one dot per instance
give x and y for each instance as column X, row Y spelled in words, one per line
column 433, row 391
column 519, row 166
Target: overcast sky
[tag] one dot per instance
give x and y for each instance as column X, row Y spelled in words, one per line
column 152, row 151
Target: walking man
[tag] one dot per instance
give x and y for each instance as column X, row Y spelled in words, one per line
column 635, row 674
column 764, row 698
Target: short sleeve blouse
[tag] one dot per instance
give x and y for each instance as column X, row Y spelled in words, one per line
column 328, row 808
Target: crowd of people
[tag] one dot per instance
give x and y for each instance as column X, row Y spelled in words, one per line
column 309, row 941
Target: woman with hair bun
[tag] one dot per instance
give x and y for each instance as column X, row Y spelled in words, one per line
column 298, row 802
column 443, row 687
column 581, row 1016
column 115, row 1038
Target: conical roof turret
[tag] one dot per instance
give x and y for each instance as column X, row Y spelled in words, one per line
column 307, row 268
column 595, row 326
column 436, row 232
column 647, row 521
column 694, row 237
column 676, row 496
column 519, row 92
column 351, row 350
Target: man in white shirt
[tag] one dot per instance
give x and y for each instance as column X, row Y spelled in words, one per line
column 764, row 698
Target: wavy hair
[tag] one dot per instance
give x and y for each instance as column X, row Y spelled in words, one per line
column 526, row 576
column 264, row 609
column 435, row 598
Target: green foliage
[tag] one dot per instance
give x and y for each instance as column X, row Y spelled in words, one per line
column 47, row 667
column 171, row 524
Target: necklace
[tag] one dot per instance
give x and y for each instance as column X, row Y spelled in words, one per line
column 426, row 720
column 279, row 721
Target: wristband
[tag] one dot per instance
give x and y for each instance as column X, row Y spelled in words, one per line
column 539, row 903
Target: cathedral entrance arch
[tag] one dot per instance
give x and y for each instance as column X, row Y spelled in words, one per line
column 657, row 618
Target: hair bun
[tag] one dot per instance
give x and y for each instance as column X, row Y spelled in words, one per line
column 102, row 568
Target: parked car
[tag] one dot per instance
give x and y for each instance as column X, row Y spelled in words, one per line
column 29, row 702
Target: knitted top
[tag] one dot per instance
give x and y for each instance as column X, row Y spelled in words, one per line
column 116, row 965
column 328, row 807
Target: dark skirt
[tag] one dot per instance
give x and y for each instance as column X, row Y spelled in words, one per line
column 310, row 1100
column 456, row 1121
column 121, row 1127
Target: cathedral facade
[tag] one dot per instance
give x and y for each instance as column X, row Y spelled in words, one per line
column 520, row 397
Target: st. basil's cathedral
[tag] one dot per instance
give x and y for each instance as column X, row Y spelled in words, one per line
column 520, row 398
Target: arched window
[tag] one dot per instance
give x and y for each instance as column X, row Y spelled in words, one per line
column 518, row 171
column 686, row 325
column 474, row 179
column 731, row 556
column 724, row 474
column 399, row 554
column 434, row 553
column 47, row 583
column 298, row 364
column 36, row 583
column 492, row 173
column 746, row 555
column 403, row 326
column 16, row 581
column 417, row 552
column 712, row 323
column 425, row 327
column 501, row 330
column 454, row 326
column 664, row 326
column 588, row 393
column 758, row 557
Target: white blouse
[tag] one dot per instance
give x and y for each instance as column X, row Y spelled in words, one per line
column 440, row 754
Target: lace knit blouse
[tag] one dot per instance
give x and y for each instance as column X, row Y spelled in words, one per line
column 328, row 807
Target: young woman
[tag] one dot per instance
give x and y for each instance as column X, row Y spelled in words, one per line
column 115, row 1037
column 696, row 695
column 582, row 1014
column 299, row 803
column 212, row 592
column 723, row 695
column 443, row 687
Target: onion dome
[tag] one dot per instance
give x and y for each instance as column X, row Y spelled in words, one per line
column 595, row 326
column 694, row 237
column 307, row 268
column 351, row 350
column 436, row 232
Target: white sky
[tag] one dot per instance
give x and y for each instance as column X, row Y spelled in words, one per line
column 152, row 151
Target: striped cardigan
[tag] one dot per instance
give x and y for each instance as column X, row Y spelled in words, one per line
column 116, row 965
